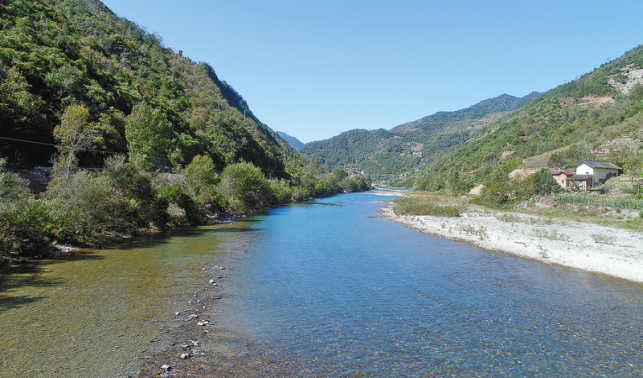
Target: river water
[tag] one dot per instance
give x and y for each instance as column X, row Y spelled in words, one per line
column 323, row 288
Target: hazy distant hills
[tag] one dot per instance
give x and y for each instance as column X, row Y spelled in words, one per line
column 292, row 141
column 408, row 147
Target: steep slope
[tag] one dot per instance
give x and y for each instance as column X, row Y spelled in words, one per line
column 595, row 116
column 55, row 54
column 292, row 141
column 406, row 148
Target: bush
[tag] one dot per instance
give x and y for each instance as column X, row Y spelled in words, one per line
column 25, row 223
column 282, row 190
column 25, row 228
column 83, row 206
column 143, row 207
column 202, row 179
column 245, row 187
column 176, row 195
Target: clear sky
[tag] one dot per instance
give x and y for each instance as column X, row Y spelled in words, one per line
column 314, row 69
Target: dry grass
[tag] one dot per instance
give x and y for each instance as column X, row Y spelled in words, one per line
column 424, row 205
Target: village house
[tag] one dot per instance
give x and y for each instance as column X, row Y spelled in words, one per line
column 581, row 182
column 562, row 178
column 601, row 170
column 589, row 173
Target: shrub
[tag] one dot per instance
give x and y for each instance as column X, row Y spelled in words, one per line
column 282, row 190
column 176, row 195
column 24, row 221
column 25, row 228
column 245, row 187
column 144, row 208
column 202, row 179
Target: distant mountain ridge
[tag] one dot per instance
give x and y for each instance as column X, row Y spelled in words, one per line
column 392, row 154
column 292, row 141
column 502, row 103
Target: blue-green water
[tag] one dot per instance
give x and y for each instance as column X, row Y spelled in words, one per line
column 320, row 289
column 337, row 293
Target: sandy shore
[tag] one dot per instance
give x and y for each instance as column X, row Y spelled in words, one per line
column 589, row 247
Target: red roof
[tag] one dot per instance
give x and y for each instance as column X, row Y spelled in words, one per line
column 556, row 173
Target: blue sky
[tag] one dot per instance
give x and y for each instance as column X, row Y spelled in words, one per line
column 314, row 69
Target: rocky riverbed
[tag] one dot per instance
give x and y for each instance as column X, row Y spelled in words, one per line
column 612, row 251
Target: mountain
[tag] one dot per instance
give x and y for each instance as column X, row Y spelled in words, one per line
column 598, row 117
column 500, row 104
column 55, row 55
column 292, row 141
column 408, row 147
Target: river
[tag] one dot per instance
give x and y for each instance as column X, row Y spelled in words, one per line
column 323, row 288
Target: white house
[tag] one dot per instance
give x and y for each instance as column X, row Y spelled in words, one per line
column 601, row 170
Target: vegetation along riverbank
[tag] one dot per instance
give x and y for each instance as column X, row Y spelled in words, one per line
column 127, row 135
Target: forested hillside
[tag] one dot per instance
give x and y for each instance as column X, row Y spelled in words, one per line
column 395, row 154
column 60, row 53
column 170, row 142
column 597, row 116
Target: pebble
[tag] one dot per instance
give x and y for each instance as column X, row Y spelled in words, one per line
column 165, row 367
column 184, row 356
column 211, row 281
column 177, row 313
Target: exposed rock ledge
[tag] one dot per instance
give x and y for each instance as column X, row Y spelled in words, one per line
column 589, row 247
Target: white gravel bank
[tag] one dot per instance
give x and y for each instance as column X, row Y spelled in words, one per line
column 592, row 248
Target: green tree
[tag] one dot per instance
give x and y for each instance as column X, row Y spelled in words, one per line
column 148, row 133
column 340, row 173
column 74, row 134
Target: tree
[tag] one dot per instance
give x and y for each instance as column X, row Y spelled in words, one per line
column 74, row 134
column 340, row 173
column 147, row 131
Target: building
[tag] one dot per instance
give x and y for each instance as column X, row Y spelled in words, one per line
column 600, row 170
column 562, row 177
column 580, row 182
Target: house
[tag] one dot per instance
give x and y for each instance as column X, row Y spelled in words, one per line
column 580, row 182
column 562, row 177
column 600, row 170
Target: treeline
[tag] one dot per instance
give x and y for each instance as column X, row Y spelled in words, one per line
column 85, row 206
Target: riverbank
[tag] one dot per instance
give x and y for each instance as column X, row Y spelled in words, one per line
column 593, row 248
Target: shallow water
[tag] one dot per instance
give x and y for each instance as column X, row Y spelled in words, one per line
column 323, row 288
column 99, row 313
